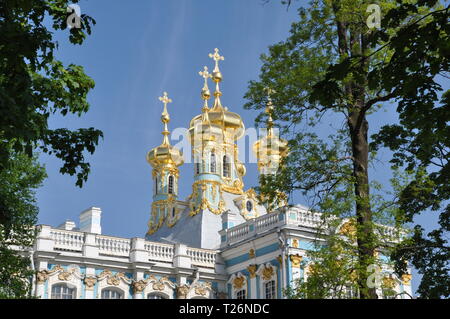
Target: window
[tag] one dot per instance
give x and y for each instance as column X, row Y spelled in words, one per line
column 241, row 294
column 226, row 166
column 170, row 184
column 249, row 205
column 155, row 296
column 62, row 292
column 197, row 168
column 156, row 185
column 269, row 289
column 213, row 163
column 111, row 294
column 173, row 212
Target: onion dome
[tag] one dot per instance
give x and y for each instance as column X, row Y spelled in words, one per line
column 230, row 123
column 200, row 127
column 165, row 154
column 270, row 149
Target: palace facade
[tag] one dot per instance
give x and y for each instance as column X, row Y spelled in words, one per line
column 218, row 243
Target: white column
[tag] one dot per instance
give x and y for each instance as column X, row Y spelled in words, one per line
column 181, row 258
column 44, row 241
column 89, row 291
column 90, row 247
column 40, row 285
column 253, row 288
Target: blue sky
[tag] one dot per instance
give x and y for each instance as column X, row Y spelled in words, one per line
column 139, row 49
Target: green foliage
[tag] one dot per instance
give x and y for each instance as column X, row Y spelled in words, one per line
column 18, row 202
column 333, row 69
column 34, row 85
column 420, row 141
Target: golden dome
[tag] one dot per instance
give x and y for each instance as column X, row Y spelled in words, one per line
column 218, row 117
column 270, row 149
column 165, row 154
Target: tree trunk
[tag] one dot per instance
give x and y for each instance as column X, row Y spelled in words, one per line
column 351, row 42
column 365, row 235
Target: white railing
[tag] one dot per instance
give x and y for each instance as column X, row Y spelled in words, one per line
column 293, row 216
column 158, row 251
column 67, row 240
column 202, row 257
column 266, row 222
column 113, row 246
column 239, row 232
column 304, row 218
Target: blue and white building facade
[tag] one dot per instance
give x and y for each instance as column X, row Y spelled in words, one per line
column 218, row 243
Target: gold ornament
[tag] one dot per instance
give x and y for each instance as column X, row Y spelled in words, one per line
column 90, row 282
column 42, row 276
column 348, row 229
column 139, row 286
column 182, row 291
column 267, row 272
column 389, row 282
column 406, row 279
column 252, row 270
column 251, row 253
column 238, row 282
column 64, row 275
column 295, row 243
column 296, row 260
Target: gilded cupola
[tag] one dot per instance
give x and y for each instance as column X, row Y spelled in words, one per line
column 231, row 123
column 165, row 154
column 165, row 160
column 270, row 149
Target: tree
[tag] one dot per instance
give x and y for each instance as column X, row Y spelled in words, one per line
column 34, row 85
column 421, row 139
column 17, row 198
column 325, row 71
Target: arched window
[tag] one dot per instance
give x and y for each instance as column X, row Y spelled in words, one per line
column 197, row 168
column 173, row 212
column 249, row 205
column 170, row 184
column 213, row 163
column 241, row 294
column 111, row 294
column 154, row 295
column 62, row 291
column 156, row 185
column 226, row 166
column 269, row 289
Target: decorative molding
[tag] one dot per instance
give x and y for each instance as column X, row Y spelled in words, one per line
column 139, row 286
column 182, row 291
column 296, row 260
column 252, row 270
column 90, row 282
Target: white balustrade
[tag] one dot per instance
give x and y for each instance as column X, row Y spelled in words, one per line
column 202, row 257
column 158, row 251
column 67, row 240
column 113, row 246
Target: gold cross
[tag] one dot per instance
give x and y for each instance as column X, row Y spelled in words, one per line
column 216, row 57
column 165, row 99
column 205, row 74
